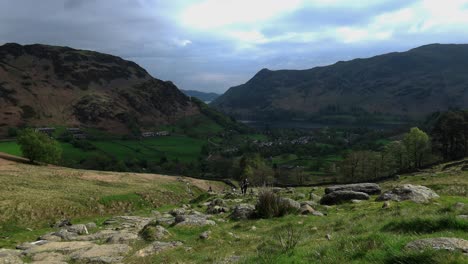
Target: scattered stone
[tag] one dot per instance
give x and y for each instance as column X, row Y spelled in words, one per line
column 122, row 238
column 242, row 212
column 156, row 213
column 218, row 202
column 354, row 201
column 78, row 229
column 459, row 206
column 153, row 232
column 61, row 247
column 49, row 257
column 441, row 243
column 300, row 196
column 178, row 211
column 314, row 197
column 91, row 226
column 276, row 189
column 314, row 228
column 292, row 203
column 306, row 209
column 338, row 197
column 193, row 220
column 62, row 223
column 64, row 234
column 101, row 254
column 166, row 221
column 205, row 235
column 253, row 228
column 415, row 193
column 157, row 247
column 217, row 210
column 317, row 213
column 328, row 237
column 386, row 205
column 369, row 188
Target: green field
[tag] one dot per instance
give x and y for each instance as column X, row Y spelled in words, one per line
column 182, row 148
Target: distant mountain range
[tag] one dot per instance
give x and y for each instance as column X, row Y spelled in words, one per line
column 397, row 86
column 205, row 97
column 44, row 85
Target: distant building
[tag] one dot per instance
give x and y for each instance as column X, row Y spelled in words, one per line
column 46, row 130
column 155, row 134
column 77, row 133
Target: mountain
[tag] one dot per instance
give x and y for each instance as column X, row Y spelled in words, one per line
column 44, row 85
column 206, row 97
column 407, row 85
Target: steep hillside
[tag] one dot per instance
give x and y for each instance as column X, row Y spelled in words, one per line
column 206, row 97
column 46, row 85
column 407, row 85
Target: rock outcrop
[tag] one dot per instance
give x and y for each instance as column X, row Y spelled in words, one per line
column 415, row 193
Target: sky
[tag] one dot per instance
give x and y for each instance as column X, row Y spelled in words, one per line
column 211, row 45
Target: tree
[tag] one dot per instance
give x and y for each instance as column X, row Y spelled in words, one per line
column 37, row 146
column 398, row 156
column 450, row 134
column 417, row 144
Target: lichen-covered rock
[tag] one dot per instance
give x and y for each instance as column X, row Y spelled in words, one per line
column 78, row 229
column 440, row 243
column 291, row 203
column 242, row 211
column 415, row 193
column 338, row 197
column 157, row 247
column 306, row 209
column 124, row 237
column 101, row 254
column 153, row 232
column 369, row 188
column 10, row 256
column 193, row 220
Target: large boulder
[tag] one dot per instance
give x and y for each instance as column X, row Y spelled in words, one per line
column 369, row 188
column 291, row 203
column 415, row 193
column 153, row 232
column 338, row 197
column 242, row 211
column 440, row 243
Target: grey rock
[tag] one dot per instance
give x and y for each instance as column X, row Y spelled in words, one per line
column 205, row 235
column 218, row 202
column 216, row 209
column 178, row 211
column 441, row 243
column 292, row 203
column 49, row 257
column 314, row 197
column 153, row 232
column 122, row 238
column 62, row 223
column 60, row 247
column 166, row 221
column 193, row 220
column 10, row 256
column 157, row 247
column 415, row 193
column 78, row 229
column 50, row 237
column 386, row 205
column 102, row 254
column 317, row 213
column 369, row 188
column 306, row 209
column 91, row 226
column 64, row 234
column 458, row 206
column 338, row 197
column 242, row 211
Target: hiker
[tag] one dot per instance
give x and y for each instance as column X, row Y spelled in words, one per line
column 210, row 190
column 244, row 185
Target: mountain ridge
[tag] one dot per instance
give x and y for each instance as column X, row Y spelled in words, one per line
column 402, row 85
column 43, row 85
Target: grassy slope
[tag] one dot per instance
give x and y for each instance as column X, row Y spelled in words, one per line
column 35, row 196
column 361, row 233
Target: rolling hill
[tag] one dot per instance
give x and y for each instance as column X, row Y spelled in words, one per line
column 398, row 86
column 44, row 85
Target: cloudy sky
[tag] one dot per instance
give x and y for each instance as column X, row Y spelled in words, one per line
column 211, row 45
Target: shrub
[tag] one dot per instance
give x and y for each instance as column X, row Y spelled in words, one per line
column 271, row 205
